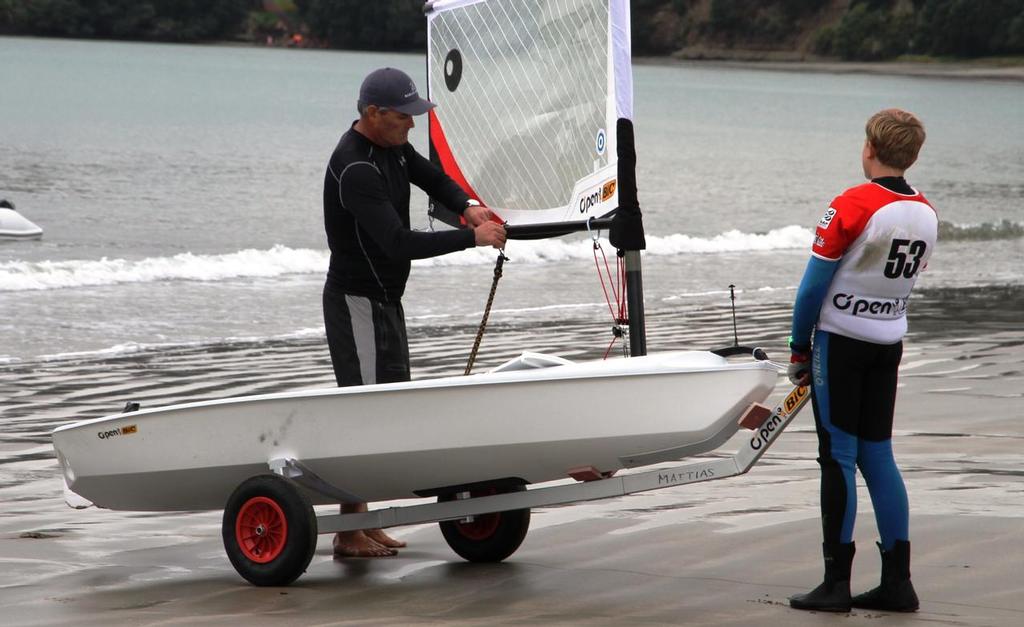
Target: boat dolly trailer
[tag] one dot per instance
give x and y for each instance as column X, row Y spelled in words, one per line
column 270, row 528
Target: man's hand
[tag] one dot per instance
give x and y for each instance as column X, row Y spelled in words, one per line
column 489, row 234
column 799, row 370
column 476, row 215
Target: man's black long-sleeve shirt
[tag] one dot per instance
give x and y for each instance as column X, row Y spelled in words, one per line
column 366, row 215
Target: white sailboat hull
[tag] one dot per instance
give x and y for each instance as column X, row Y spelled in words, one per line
column 13, row 225
column 400, row 440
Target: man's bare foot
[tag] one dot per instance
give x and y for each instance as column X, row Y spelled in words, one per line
column 378, row 536
column 358, row 544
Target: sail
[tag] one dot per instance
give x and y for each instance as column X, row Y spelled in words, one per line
column 528, row 93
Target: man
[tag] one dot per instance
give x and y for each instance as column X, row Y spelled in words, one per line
column 869, row 249
column 366, row 216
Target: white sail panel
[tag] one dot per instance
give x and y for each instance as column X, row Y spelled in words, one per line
column 527, row 94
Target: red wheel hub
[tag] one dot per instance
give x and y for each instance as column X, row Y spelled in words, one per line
column 481, row 528
column 261, row 529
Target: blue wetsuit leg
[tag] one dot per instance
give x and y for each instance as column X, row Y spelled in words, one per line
column 888, row 492
column 874, row 454
column 837, row 449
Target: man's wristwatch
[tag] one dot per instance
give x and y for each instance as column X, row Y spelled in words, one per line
column 471, row 203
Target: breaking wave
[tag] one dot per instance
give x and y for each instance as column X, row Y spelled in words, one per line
column 281, row 260
column 546, row 251
column 1004, row 229
column 47, row 275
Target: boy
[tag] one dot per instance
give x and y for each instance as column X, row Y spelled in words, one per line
column 869, row 248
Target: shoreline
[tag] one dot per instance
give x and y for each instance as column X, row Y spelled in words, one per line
column 977, row 69
column 983, row 68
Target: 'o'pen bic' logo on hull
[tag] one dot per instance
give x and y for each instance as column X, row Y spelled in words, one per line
column 769, row 429
column 608, row 190
column 113, row 433
column 765, row 432
column 794, row 398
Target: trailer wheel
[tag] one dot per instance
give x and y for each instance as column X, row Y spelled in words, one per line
column 269, row 531
column 487, row 537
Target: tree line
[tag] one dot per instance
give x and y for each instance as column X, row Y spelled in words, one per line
column 846, row 29
column 144, row 20
column 883, row 29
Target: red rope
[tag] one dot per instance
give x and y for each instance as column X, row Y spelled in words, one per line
column 600, row 275
column 617, row 284
column 610, row 344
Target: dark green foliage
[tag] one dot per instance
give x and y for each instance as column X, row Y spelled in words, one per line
column 971, row 28
column 1015, row 34
column 160, row 20
column 745, row 22
column 867, row 33
column 873, row 30
column 366, row 25
column 659, row 26
column 867, row 30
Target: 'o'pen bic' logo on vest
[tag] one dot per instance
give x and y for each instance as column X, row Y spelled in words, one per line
column 878, row 309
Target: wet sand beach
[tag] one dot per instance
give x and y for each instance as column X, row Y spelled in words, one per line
column 719, row 553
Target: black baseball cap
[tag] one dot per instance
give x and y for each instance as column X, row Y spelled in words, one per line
column 392, row 89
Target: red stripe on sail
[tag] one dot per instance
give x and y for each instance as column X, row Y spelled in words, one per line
column 448, row 163
column 451, row 166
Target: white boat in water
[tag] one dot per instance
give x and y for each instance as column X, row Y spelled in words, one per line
column 13, row 225
column 535, row 419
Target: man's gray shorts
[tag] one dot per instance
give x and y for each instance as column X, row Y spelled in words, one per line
column 367, row 339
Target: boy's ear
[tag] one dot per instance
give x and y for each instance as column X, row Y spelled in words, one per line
column 869, row 149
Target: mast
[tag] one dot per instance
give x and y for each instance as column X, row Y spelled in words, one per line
column 627, row 235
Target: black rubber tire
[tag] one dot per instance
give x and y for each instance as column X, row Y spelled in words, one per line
column 490, row 537
column 296, row 547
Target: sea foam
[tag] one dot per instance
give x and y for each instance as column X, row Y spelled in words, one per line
column 45, row 275
column 281, row 260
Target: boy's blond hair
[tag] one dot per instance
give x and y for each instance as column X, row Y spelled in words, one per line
column 896, row 136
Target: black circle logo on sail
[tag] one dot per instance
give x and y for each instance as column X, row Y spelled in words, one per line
column 453, row 69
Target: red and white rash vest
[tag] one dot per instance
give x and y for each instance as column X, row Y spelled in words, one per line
column 883, row 240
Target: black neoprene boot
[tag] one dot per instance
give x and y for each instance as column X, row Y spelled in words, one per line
column 833, row 595
column 896, row 593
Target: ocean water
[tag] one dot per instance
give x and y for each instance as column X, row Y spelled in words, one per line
column 179, row 189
